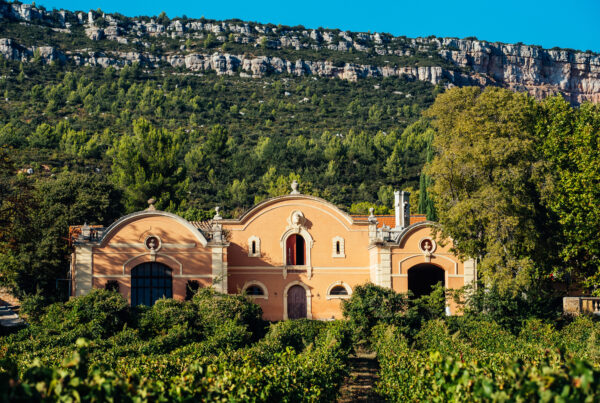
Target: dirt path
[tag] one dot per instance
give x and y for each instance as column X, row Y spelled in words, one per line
column 360, row 385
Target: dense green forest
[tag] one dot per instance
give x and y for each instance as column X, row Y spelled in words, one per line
column 232, row 138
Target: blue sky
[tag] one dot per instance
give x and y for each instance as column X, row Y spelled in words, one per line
column 568, row 24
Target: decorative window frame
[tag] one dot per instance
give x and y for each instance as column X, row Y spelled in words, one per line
column 308, row 242
column 250, row 283
column 335, row 284
column 308, row 299
column 255, row 239
column 334, row 242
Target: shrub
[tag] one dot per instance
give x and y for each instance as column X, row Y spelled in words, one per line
column 511, row 308
column 370, row 305
column 166, row 314
column 214, row 307
column 297, row 334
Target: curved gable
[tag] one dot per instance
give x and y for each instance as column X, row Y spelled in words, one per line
column 179, row 223
column 261, row 208
column 412, row 229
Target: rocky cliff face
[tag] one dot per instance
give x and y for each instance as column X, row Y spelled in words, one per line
column 445, row 61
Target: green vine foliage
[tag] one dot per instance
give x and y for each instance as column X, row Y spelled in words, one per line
column 213, row 348
column 483, row 362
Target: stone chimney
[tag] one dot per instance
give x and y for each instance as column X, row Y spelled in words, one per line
column 402, row 209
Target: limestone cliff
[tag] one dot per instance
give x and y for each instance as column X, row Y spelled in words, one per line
column 266, row 49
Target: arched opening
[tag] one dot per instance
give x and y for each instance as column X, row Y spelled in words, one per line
column 338, row 290
column 295, row 250
column 422, row 278
column 296, row 302
column 337, row 247
column 149, row 282
column 255, row 290
column 254, row 247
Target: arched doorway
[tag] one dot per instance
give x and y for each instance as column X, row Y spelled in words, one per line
column 422, row 278
column 149, row 282
column 295, row 250
column 296, row 302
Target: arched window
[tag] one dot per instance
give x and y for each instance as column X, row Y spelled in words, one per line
column 338, row 290
column 295, row 250
column 150, row 282
column 338, row 247
column 254, row 246
column 254, row 290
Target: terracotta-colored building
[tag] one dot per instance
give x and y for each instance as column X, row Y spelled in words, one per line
column 296, row 255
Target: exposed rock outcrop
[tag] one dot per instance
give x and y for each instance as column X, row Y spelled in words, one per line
column 539, row 71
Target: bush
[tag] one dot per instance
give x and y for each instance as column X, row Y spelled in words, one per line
column 214, row 307
column 370, row 305
column 510, row 309
column 297, row 334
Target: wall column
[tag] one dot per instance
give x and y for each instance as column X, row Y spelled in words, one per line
column 470, row 270
column 384, row 269
column 83, row 269
column 219, row 268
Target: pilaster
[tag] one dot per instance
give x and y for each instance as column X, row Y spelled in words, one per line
column 83, row 269
column 384, row 270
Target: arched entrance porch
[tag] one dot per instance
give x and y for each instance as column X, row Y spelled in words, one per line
column 422, row 278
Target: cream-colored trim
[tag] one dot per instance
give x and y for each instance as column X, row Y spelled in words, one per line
column 321, row 268
column 273, row 268
column 259, row 284
column 308, row 299
column 152, row 259
column 335, row 284
column 308, row 242
column 204, row 252
column 405, row 259
column 174, row 276
column 125, row 245
column 219, row 270
column 84, row 263
column 256, row 241
column 334, row 252
column 293, row 198
column 426, row 261
column 179, row 245
column 120, row 223
column 142, row 245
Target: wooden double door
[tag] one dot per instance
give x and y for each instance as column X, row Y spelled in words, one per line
column 296, row 302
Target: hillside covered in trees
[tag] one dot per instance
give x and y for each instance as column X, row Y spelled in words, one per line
column 91, row 127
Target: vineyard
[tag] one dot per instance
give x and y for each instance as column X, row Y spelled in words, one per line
column 217, row 348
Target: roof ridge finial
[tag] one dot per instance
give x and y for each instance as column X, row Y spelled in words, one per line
column 151, row 202
column 294, row 188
